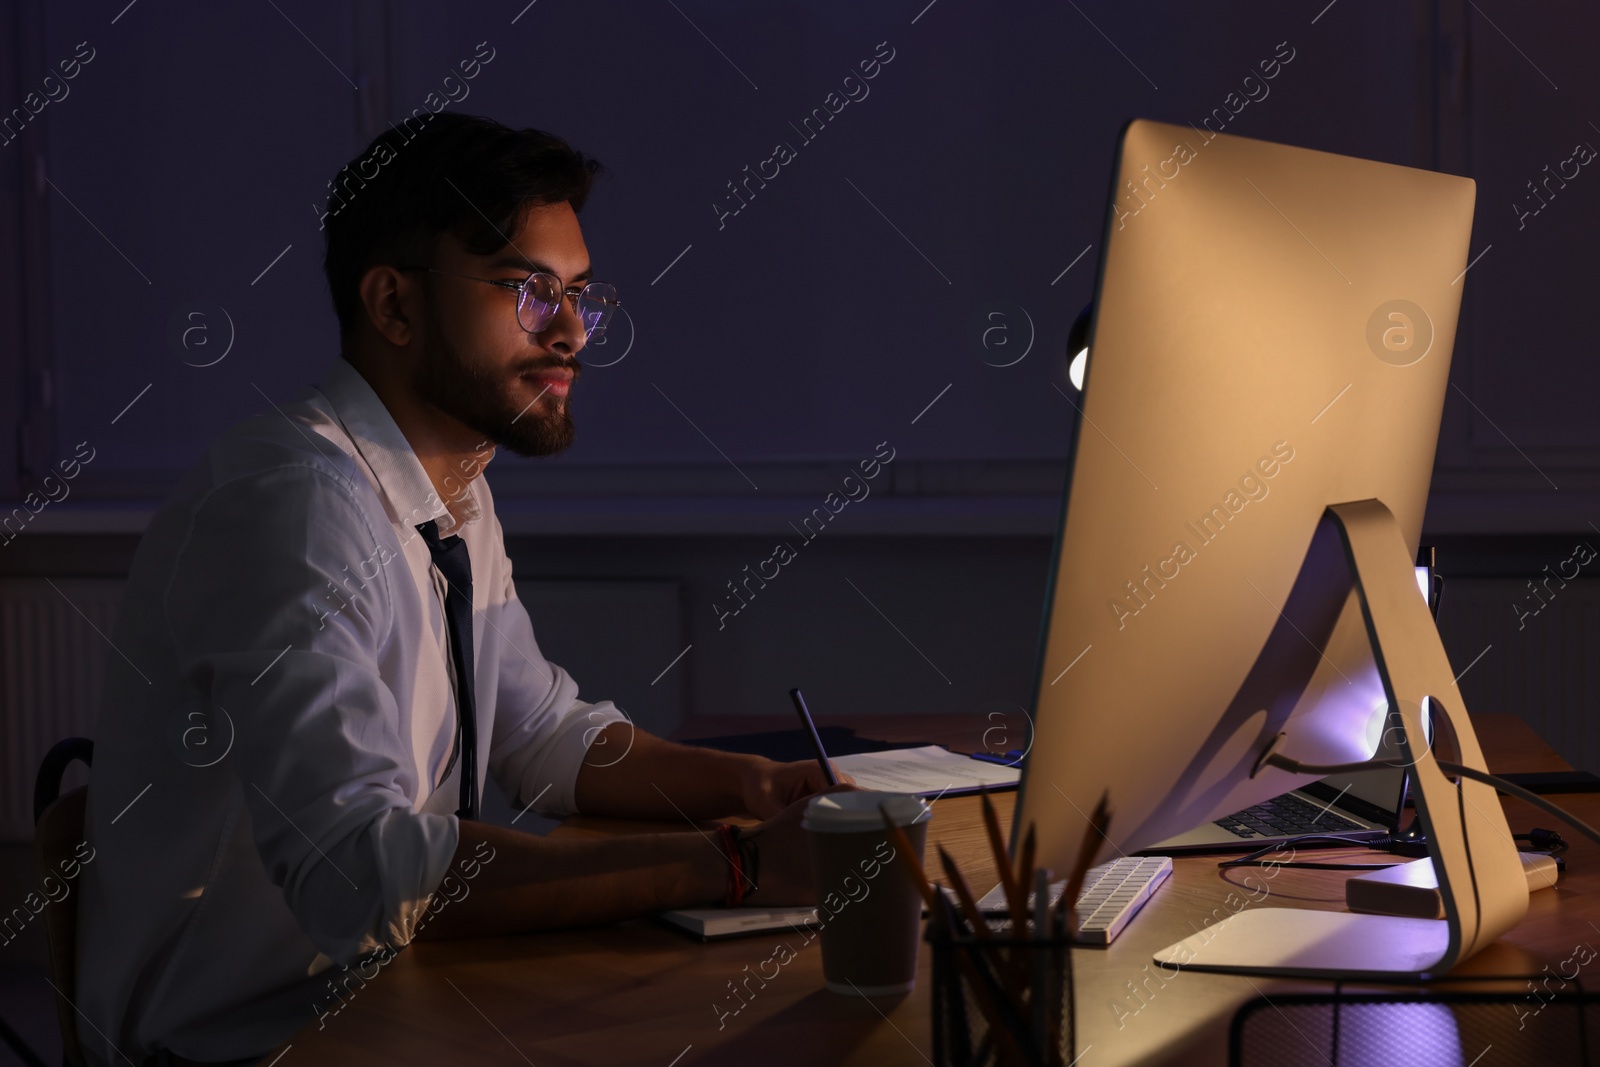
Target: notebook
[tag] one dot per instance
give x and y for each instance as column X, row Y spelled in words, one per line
column 711, row 923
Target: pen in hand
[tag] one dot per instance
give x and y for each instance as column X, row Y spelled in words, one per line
column 816, row 739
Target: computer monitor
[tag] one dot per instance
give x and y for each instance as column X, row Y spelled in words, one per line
column 1233, row 570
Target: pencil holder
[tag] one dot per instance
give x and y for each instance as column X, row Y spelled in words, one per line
column 1001, row 1001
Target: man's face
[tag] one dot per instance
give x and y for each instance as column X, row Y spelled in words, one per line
column 478, row 364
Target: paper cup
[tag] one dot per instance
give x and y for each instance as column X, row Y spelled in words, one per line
column 869, row 912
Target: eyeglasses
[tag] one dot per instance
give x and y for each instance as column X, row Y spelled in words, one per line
column 539, row 297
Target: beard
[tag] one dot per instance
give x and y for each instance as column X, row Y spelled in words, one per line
column 487, row 403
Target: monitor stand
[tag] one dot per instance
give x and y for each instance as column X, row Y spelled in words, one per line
column 1481, row 881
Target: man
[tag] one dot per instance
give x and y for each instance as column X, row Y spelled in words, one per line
column 280, row 782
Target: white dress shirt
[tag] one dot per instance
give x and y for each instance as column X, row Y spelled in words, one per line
column 275, row 773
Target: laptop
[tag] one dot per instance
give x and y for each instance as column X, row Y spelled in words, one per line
column 1361, row 807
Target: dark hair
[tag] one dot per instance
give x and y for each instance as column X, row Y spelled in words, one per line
column 437, row 173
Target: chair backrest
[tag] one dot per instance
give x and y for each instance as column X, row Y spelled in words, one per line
column 58, row 835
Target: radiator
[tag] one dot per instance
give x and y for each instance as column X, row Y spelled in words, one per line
column 51, row 661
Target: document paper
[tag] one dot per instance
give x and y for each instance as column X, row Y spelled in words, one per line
column 927, row 771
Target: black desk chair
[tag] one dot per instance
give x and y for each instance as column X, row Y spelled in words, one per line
column 58, row 830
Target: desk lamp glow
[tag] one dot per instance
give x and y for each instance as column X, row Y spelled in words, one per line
column 1234, row 590
column 1078, row 348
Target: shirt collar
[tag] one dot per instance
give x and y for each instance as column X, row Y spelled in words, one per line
column 403, row 484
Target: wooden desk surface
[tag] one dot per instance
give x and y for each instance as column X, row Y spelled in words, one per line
column 640, row 993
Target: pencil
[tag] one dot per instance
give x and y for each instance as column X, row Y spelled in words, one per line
column 816, row 738
column 995, row 1004
column 969, row 906
column 1099, row 826
column 1015, row 973
column 1014, row 893
column 1024, row 874
column 1099, row 823
column 902, row 846
column 1040, row 953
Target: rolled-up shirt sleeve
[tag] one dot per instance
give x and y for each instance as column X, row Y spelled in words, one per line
column 543, row 734
column 325, row 777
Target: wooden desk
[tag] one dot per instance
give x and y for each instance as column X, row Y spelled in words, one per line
column 640, row 993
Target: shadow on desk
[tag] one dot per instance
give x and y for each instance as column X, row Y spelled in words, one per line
column 852, row 1023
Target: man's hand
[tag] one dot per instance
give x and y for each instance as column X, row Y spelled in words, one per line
column 768, row 787
column 665, row 780
column 784, row 862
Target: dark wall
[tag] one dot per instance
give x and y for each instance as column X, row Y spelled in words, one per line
column 917, row 241
column 909, row 276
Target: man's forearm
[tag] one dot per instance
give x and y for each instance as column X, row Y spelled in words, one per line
column 657, row 779
column 541, row 883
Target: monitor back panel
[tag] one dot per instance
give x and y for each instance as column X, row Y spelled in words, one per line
column 1272, row 334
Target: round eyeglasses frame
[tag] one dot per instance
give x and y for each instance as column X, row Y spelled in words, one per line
column 535, row 321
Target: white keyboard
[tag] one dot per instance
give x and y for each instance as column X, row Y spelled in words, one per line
column 1112, row 894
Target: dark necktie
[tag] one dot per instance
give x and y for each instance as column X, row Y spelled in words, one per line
column 450, row 556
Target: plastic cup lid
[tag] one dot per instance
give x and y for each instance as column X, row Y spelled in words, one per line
column 853, row 811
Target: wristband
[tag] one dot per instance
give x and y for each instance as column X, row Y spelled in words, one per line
column 728, row 838
column 749, row 859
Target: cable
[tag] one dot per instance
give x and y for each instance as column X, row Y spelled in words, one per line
column 1254, row 859
column 1511, row 788
column 1522, row 794
column 1547, row 842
